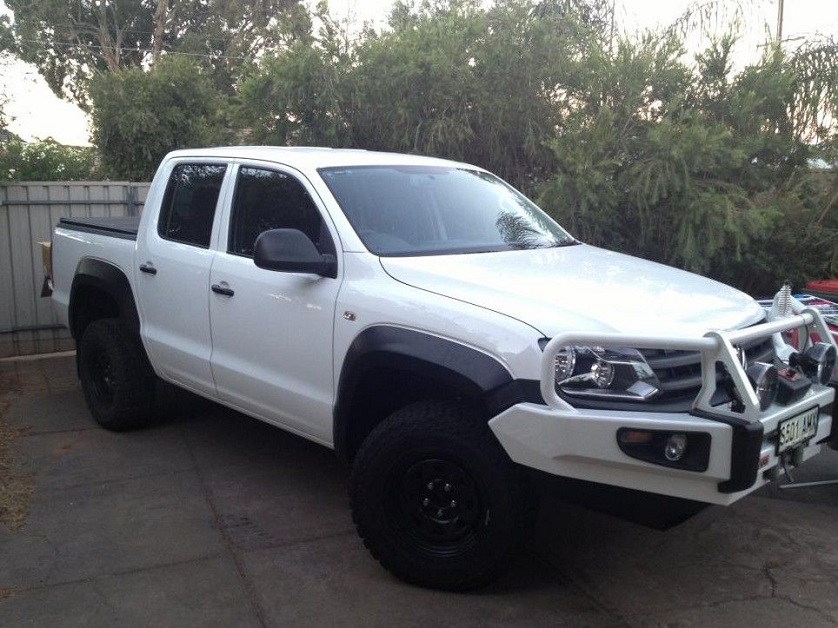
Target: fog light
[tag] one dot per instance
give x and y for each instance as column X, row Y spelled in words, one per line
column 676, row 447
column 680, row 450
column 817, row 362
column 763, row 378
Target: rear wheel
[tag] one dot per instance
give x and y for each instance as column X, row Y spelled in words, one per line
column 116, row 378
column 437, row 500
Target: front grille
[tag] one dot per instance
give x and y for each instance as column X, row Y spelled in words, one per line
column 679, row 372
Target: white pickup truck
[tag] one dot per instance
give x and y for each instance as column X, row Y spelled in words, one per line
column 443, row 335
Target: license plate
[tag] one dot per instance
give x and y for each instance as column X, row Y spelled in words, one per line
column 796, row 430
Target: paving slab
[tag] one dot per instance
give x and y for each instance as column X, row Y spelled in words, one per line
column 760, row 549
column 40, row 413
column 110, row 527
column 212, row 518
column 204, row 593
column 334, row 582
column 219, row 438
column 90, row 456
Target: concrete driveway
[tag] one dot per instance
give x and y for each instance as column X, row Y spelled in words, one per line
column 214, row 519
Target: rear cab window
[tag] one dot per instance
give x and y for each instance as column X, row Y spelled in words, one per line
column 189, row 204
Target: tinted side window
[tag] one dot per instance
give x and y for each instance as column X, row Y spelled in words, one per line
column 189, row 204
column 266, row 199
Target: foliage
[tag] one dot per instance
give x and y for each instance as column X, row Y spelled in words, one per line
column 624, row 139
column 414, row 88
column 294, row 95
column 46, row 160
column 704, row 168
column 3, row 121
column 139, row 116
column 71, row 40
column 447, row 78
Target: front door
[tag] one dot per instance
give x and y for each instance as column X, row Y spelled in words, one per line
column 272, row 331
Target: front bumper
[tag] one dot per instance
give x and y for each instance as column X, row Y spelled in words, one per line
column 583, row 443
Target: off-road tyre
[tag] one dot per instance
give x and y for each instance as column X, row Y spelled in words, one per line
column 116, row 378
column 436, row 499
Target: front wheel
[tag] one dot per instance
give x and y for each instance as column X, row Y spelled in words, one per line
column 117, row 381
column 436, row 499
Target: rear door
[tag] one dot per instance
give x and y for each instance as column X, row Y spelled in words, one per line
column 174, row 259
column 272, row 331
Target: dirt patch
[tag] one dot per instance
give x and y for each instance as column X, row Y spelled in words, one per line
column 7, row 593
column 15, row 484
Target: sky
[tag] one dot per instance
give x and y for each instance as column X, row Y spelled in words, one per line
column 34, row 112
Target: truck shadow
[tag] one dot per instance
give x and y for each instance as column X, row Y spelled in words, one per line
column 250, row 467
column 272, row 489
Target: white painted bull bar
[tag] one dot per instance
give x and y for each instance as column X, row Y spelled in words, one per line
column 714, row 346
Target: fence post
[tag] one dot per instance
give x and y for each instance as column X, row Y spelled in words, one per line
column 131, row 200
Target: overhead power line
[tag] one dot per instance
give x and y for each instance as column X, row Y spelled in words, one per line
column 60, row 44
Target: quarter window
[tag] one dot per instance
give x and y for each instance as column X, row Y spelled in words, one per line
column 267, row 199
column 189, row 205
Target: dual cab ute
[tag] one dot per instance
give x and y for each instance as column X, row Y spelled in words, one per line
column 443, row 335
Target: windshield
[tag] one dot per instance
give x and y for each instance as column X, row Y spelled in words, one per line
column 425, row 210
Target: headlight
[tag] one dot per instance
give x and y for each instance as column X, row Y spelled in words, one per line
column 614, row 373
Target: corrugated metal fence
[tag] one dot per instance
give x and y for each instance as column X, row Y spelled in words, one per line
column 28, row 213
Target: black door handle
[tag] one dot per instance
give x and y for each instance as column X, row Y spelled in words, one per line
column 218, row 289
column 148, row 268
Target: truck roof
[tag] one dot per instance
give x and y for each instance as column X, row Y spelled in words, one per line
column 312, row 157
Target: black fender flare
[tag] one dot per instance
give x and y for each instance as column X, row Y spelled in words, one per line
column 104, row 277
column 467, row 371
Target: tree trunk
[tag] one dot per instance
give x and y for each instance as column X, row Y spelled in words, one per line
column 110, row 51
column 160, row 15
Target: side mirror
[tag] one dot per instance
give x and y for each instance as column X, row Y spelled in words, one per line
column 290, row 250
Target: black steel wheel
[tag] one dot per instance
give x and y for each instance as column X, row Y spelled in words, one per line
column 438, row 506
column 437, row 500
column 116, row 378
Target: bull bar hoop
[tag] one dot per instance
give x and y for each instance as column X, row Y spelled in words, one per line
column 714, row 346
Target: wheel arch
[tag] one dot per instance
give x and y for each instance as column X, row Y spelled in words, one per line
column 387, row 367
column 100, row 289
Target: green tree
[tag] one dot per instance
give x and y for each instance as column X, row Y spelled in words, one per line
column 297, row 95
column 625, row 140
column 3, row 122
column 414, row 87
column 69, row 41
column 702, row 167
column 448, row 78
column 139, row 116
column 46, row 160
